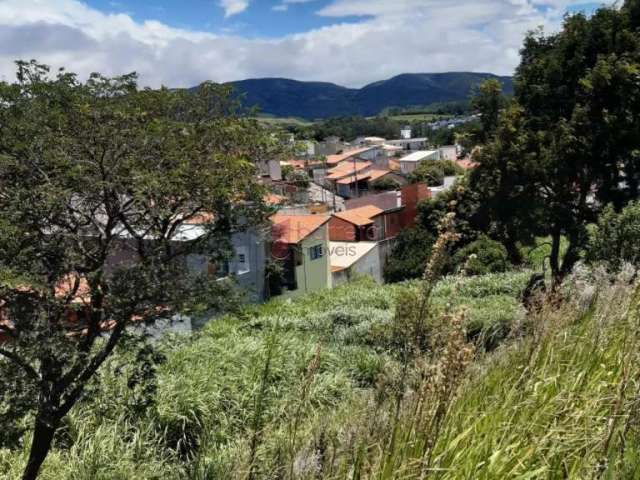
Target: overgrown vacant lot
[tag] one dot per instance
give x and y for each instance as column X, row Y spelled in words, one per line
column 308, row 389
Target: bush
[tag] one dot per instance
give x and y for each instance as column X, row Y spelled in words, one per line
column 615, row 238
column 433, row 172
column 385, row 184
column 409, row 255
column 481, row 257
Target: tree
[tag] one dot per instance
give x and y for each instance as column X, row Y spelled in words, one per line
column 409, row 256
column 481, row 257
column 93, row 173
column 385, row 184
column 489, row 101
column 614, row 239
column 433, row 172
column 571, row 141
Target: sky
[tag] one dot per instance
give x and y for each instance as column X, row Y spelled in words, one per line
column 180, row 43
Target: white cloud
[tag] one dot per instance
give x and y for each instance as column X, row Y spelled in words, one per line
column 233, row 7
column 395, row 36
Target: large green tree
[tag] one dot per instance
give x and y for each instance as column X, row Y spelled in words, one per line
column 93, row 173
column 572, row 140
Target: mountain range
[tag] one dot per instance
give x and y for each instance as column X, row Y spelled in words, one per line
column 283, row 97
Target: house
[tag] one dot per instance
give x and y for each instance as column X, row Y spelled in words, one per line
column 366, row 223
column 300, row 243
column 411, row 144
column 408, row 197
column 246, row 265
column 363, row 153
column 449, row 152
column 349, row 259
column 410, row 162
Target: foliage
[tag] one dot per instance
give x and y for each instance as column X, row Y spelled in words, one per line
column 568, row 137
column 299, row 178
column 202, row 418
column 97, row 180
column 481, row 257
column 433, row 172
column 409, row 255
column 488, row 101
column 614, row 239
column 385, row 184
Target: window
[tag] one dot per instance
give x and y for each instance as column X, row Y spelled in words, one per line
column 242, row 261
column 315, row 252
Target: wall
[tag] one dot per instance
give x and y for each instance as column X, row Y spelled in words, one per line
column 369, row 265
column 341, row 231
column 313, row 275
column 411, row 196
column 253, row 245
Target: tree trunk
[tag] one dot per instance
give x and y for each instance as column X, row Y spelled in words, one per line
column 42, row 439
column 554, row 258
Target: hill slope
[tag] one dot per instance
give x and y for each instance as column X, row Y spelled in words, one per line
column 291, row 98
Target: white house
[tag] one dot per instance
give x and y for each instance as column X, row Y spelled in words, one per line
column 409, row 143
column 409, row 163
column 449, row 152
column 354, row 258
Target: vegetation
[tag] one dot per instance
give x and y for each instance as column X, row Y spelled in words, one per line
column 92, row 174
column 481, row 257
column 433, row 173
column 614, row 239
column 279, row 387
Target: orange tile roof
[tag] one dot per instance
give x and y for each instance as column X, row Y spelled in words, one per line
column 377, row 173
column 394, row 165
column 341, row 157
column 360, row 216
column 292, row 229
column 346, row 169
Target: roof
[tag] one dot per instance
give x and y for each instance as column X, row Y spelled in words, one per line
column 341, row 157
column 385, row 201
column 292, row 229
column 377, row 173
column 346, row 254
column 361, row 216
column 419, row 156
column 394, row 164
column 346, row 169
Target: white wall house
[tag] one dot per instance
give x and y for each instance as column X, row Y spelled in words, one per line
column 449, row 152
column 409, row 163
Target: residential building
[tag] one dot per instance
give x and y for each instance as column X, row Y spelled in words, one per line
column 349, row 259
column 449, row 152
column 301, row 244
column 363, row 153
column 410, row 162
column 366, row 223
column 411, row 144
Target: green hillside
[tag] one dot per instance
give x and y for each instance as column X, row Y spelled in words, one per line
column 309, row 389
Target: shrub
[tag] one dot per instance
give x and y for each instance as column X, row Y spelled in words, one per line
column 409, row 255
column 433, row 172
column 614, row 240
column 482, row 256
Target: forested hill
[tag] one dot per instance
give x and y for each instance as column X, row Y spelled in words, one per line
column 311, row 100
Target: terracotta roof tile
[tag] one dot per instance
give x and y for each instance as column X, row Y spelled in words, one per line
column 292, row 229
column 341, row 157
column 360, row 216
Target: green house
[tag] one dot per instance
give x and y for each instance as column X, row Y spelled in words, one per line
column 301, row 246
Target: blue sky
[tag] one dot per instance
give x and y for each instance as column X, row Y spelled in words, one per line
column 260, row 19
column 180, row 43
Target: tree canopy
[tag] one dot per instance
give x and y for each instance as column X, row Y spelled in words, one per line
column 105, row 189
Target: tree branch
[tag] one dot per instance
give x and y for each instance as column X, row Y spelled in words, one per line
column 17, row 360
